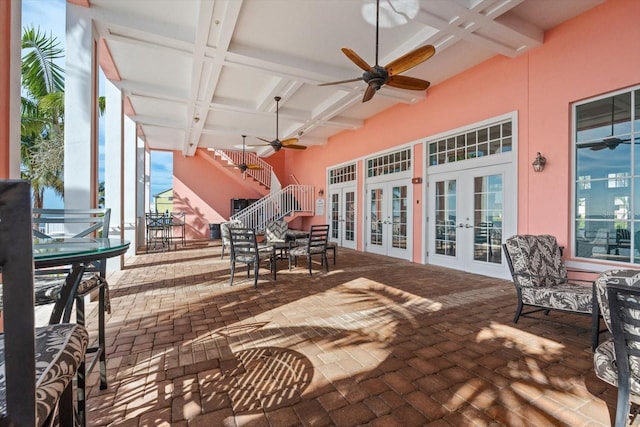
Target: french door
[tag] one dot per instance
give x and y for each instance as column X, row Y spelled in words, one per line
column 470, row 213
column 388, row 219
column 342, row 216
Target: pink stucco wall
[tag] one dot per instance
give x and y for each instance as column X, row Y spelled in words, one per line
column 575, row 62
column 203, row 189
column 5, row 66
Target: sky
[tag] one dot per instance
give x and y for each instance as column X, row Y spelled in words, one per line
column 49, row 16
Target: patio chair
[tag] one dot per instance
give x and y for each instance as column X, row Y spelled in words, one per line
column 617, row 360
column 245, row 249
column 315, row 244
column 226, row 235
column 542, row 282
column 82, row 223
column 38, row 366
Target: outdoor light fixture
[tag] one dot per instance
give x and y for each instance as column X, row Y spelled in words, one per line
column 539, row 162
column 321, row 192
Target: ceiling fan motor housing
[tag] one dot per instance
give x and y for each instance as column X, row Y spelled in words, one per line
column 377, row 78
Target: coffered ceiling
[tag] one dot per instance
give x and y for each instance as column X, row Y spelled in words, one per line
column 201, row 73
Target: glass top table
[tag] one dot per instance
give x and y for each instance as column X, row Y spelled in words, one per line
column 72, row 250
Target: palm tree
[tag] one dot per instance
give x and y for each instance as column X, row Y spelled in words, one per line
column 42, row 122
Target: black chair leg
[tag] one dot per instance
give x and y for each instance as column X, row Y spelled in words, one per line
column 595, row 322
column 233, row 270
column 326, row 261
column 518, row 311
column 102, row 339
column 256, row 270
column 65, row 407
column 309, row 264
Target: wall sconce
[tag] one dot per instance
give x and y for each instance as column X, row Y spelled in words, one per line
column 539, row 162
column 321, row 192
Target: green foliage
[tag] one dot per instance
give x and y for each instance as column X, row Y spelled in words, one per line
column 42, row 113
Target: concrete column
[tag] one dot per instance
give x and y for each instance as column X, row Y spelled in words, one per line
column 113, row 158
column 80, row 151
column 10, row 57
column 129, row 178
column 143, row 189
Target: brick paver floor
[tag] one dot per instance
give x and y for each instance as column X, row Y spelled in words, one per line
column 375, row 341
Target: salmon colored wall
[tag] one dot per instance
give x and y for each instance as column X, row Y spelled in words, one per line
column 575, row 62
column 5, row 80
column 206, row 196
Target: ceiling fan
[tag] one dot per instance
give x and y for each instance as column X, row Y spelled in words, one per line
column 610, row 143
column 377, row 76
column 244, row 166
column 276, row 144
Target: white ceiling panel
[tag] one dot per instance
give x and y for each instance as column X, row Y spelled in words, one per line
column 201, row 73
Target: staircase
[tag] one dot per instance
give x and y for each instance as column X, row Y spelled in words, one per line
column 262, row 176
column 289, row 203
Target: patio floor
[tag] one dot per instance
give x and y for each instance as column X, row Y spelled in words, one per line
column 376, row 341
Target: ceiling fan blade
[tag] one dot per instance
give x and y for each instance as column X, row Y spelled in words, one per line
column 340, row 82
column 295, row 147
column 406, row 82
column 410, row 60
column 290, row 141
column 368, row 94
column 254, row 167
column 265, row 140
column 356, row 59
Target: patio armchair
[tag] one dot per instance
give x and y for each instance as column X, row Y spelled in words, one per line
column 315, row 244
column 81, row 223
column 617, row 360
column 245, row 249
column 541, row 281
column 38, row 366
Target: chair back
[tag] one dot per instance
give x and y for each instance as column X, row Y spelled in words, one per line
column 225, row 232
column 535, row 261
column 244, row 245
column 617, row 277
column 624, row 309
column 276, row 231
column 318, row 236
column 16, row 264
column 73, row 223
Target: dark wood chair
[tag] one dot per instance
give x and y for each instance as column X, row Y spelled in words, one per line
column 315, row 244
column 77, row 223
column 246, row 250
column 39, row 366
column 617, row 360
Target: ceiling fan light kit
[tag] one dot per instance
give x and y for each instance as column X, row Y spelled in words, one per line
column 377, row 76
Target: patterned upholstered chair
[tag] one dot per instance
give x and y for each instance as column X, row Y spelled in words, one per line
column 617, row 360
column 276, row 231
column 225, row 234
column 542, row 282
column 36, row 368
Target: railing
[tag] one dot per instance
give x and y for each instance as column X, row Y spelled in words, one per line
column 263, row 176
column 288, row 201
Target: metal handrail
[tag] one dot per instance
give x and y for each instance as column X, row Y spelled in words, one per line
column 288, row 201
column 263, row 176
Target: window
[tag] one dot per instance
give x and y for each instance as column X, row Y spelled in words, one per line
column 607, row 184
column 485, row 141
column 342, row 174
column 400, row 161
